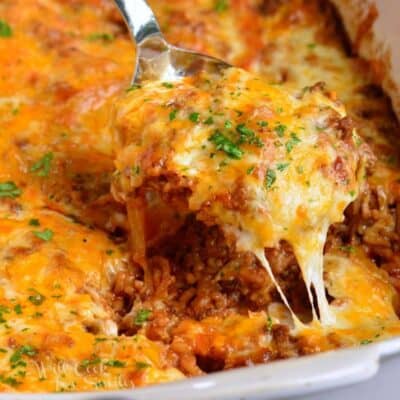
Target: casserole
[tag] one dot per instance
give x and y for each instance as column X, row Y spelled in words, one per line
column 83, row 194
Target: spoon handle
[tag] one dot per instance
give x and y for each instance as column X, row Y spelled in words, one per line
column 140, row 19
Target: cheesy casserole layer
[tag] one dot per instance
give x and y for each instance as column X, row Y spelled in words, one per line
column 154, row 233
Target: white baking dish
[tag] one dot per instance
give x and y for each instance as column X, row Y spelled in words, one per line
column 302, row 376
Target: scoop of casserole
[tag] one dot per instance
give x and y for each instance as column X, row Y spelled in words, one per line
column 262, row 163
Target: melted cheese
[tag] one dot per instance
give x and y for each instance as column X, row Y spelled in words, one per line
column 70, row 60
column 302, row 175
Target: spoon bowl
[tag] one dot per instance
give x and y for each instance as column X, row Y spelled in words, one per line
column 156, row 59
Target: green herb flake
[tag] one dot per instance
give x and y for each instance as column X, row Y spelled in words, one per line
column 172, row 115
column 37, row 299
column 43, row 166
column 4, row 309
column 194, row 117
column 115, row 364
column 134, row 86
column 269, row 323
column 37, row 314
column 294, row 141
column 263, row 124
column 100, row 36
column 228, row 124
column 347, row 249
column 34, row 222
column 221, row 5
column 226, row 145
column 209, row 121
column 282, row 166
column 270, row 178
column 250, row 170
column 248, row 136
column 109, row 252
column 168, row 85
column 18, row 309
column 352, row 193
column 90, row 362
column 141, row 365
column 280, row 130
column 16, row 359
column 9, row 189
column 5, row 29
column 45, row 235
column 365, row 341
column 135, row 170
column 142, row 316
column 9, row 381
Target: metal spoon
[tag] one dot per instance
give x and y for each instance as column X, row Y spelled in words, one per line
column 156, row 59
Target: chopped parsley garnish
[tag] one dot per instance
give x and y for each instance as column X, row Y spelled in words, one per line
column 9, row 380
column 294, row 140
column 45, row 235
column 135, row 170
column 352, row 193
column 34, row 222
column 109, row 252
column 269, row 323
column 365, row 341
column 105, row 37
column 37, row 314
column 172, row 115
column 221, row 5
column 142, row 316
column 347, row 249
column 134, row 86
column 37, row 299
column 270, row 178
column 115, row 363
column 5, row 29
column 209, row 121
column 9, row 189
column 226, row 145
column 228, row 124
column 282, row 166
column 263, row 124
column 18, row 309
column 4, row 309
column 250, row 170
column 194, row 117
column 312, row 46
column 168, row 85
column 90, row 362
column 280, row 130
column 141, row 365
column 16, row 359
column 248, row 136
column 43, row 166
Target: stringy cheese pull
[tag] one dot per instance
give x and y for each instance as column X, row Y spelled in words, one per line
column 264, row 164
